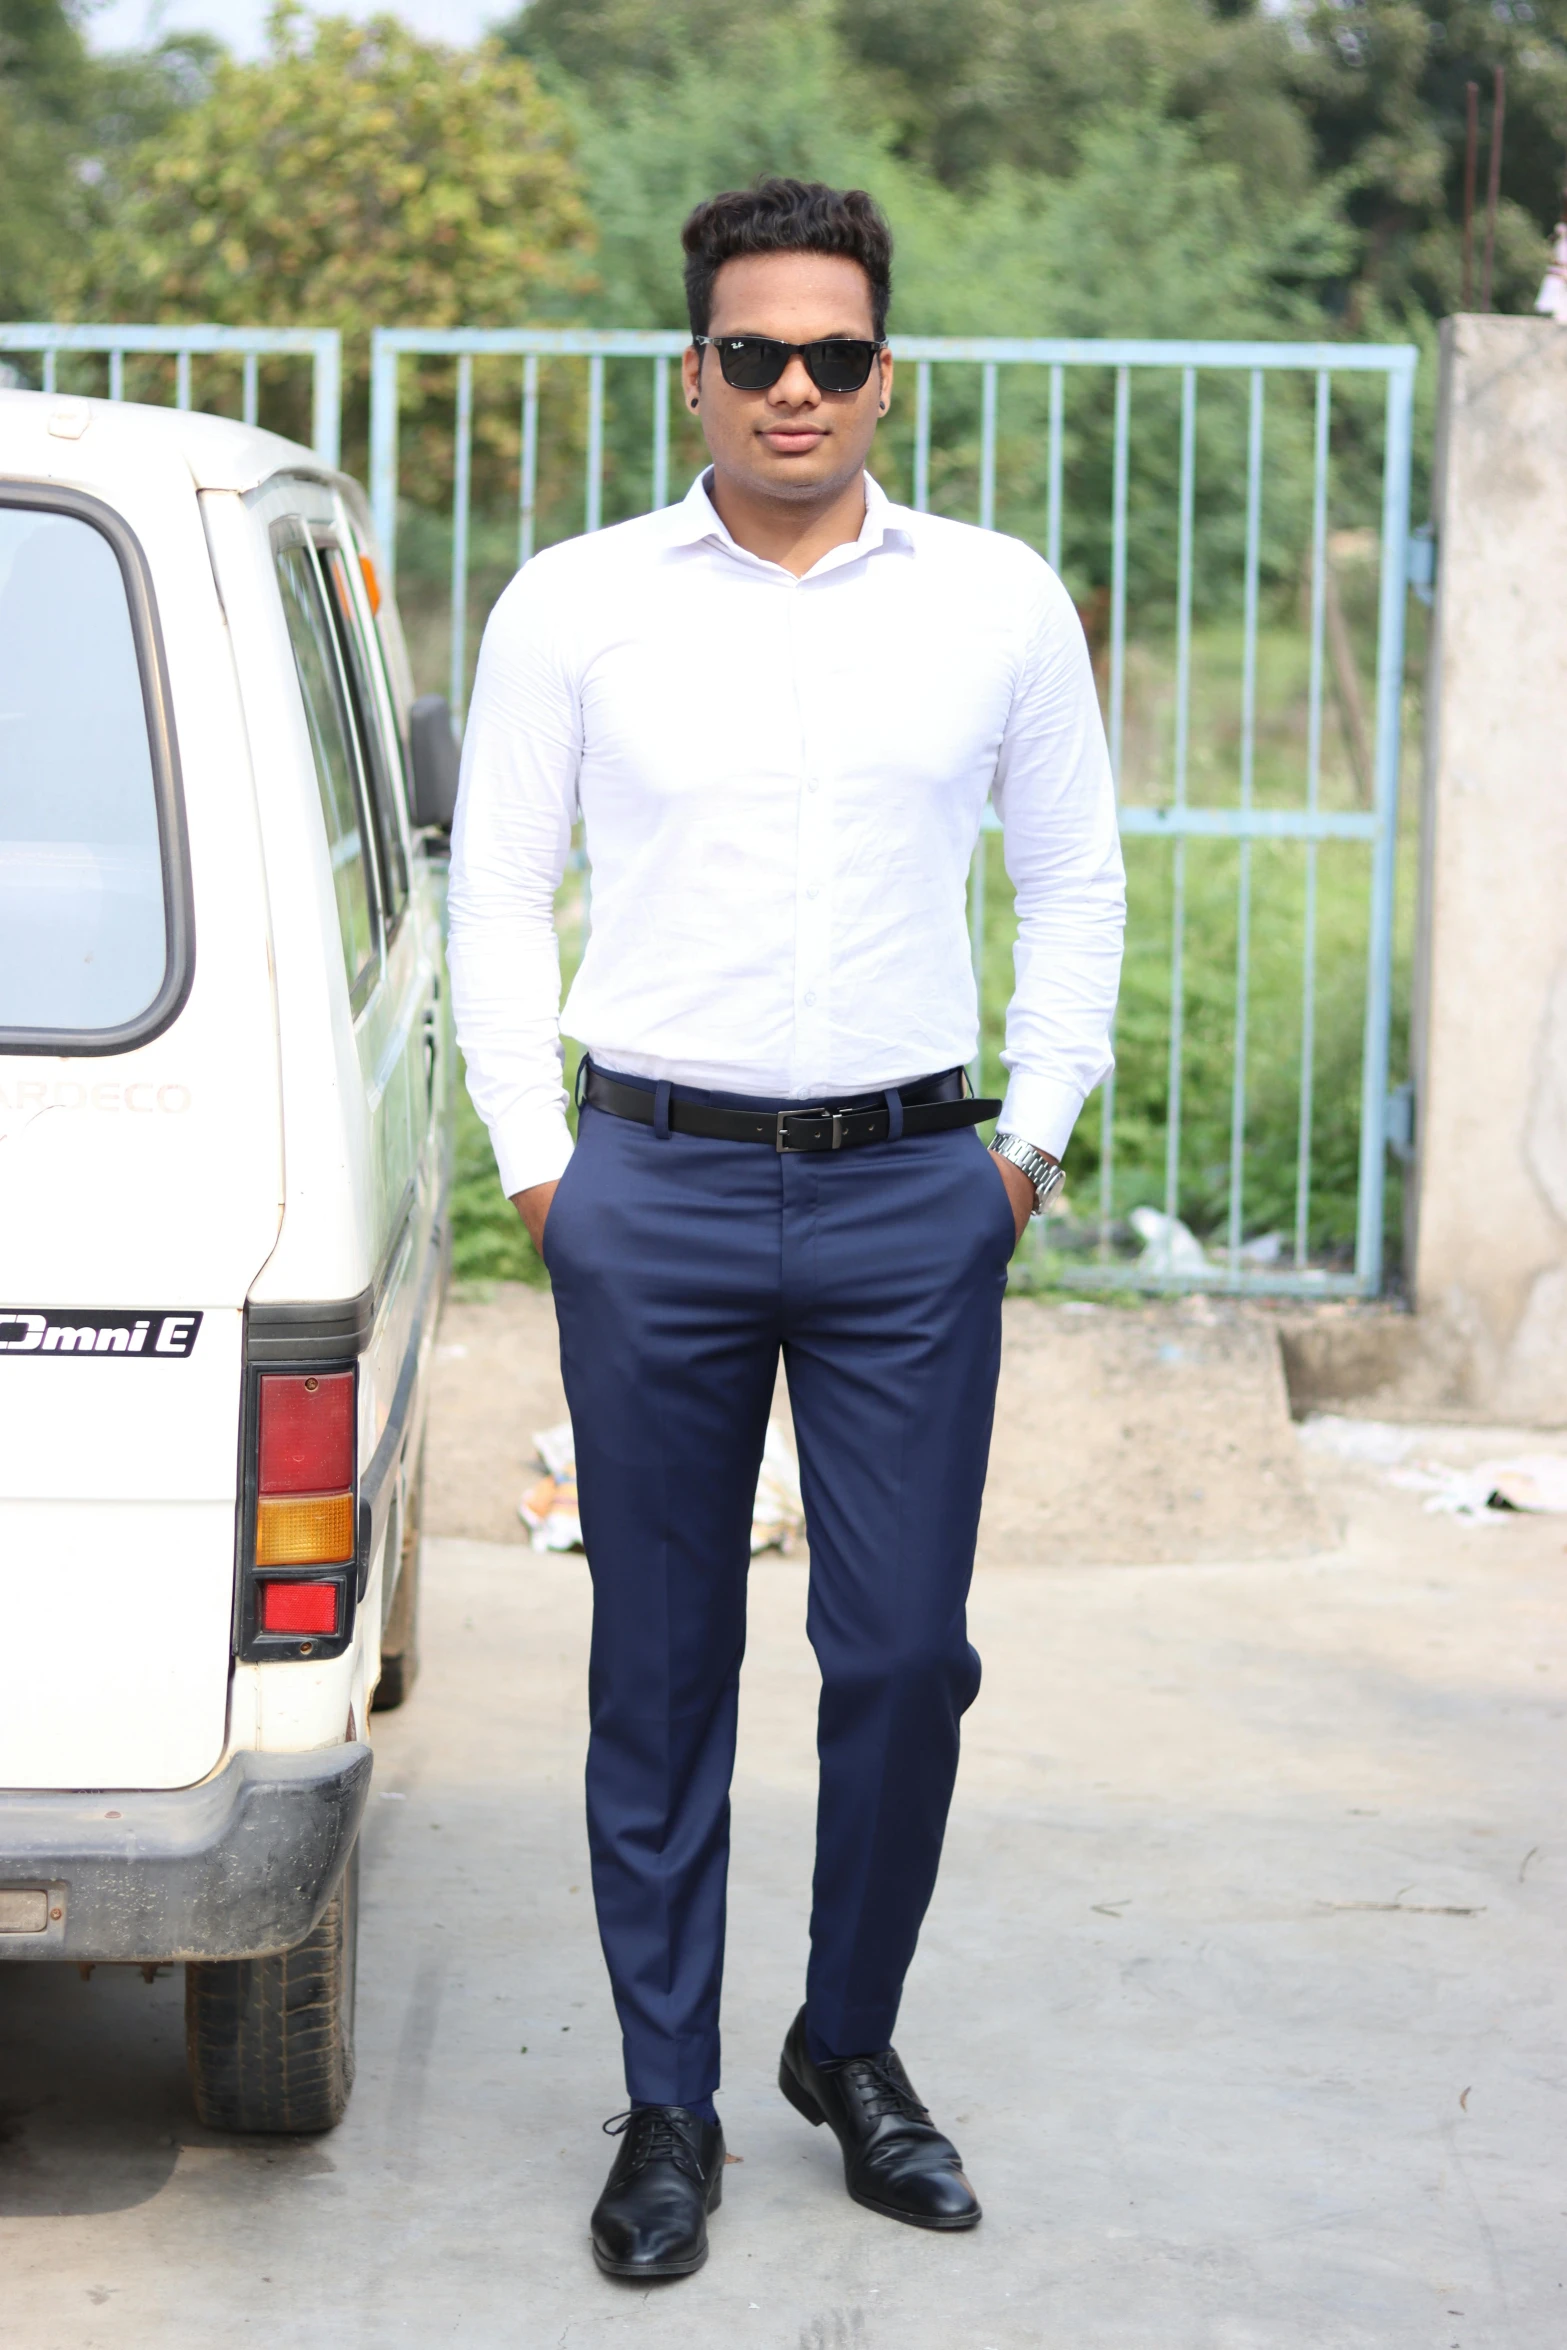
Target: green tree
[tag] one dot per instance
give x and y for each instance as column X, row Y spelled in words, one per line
column 353, row 175
column 1381, row 87
column 43, row 73
column 65, row 119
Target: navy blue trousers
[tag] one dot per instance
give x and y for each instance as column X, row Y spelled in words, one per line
column 681, row 1266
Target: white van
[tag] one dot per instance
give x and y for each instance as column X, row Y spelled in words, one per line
column 224, row 1066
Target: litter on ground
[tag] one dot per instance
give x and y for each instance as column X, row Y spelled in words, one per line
column 549, row 1507
column 1480, row 1493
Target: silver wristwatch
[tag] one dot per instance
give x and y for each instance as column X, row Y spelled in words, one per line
column 1044, row 1173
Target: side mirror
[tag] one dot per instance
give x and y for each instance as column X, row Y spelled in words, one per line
column 433, row 752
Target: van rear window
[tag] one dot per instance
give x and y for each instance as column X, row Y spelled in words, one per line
column 83, row 931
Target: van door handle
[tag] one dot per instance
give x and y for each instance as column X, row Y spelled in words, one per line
column 432, row 1047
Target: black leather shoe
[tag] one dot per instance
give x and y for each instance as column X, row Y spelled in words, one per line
column 651, row 2220
column 895, row 2160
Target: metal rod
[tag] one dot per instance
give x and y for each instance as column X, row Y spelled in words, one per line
column 326, row 402
column 1393, row 590
column 922, row 437
column 1123, row 415
column 637, row 343
column 1308, row 985
column 1493, row 182
column 116, row 375
column 1053, row 473
column 250, row 393
column 1248, row 764
column 594, row 501
column 49, row 368
column 1471, row 153
column 383, row 446
column 461, row 472
column 182, row 380
column 528, row 478
column 660, row 434
column 987, row 446
column 1123, row 412
column 1183, row 711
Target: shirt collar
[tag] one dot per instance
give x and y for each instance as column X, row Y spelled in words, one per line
column 696, row 522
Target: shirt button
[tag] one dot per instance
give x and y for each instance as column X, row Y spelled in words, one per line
column 810, row 995
column 810, row 783
column 813, row 891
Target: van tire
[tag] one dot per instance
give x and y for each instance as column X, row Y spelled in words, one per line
column 400, row 1633
column 270, row 2041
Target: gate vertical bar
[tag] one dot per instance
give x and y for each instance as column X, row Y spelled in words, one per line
column 987, row 447
column 462, row 472
column 1123, row 420
column 49, row 369
column 326, row 398
column 182, row 379
column 117, row 377
column 1183, row 712
column 1248, row 777
column 660, row 434
column 250, row 388
column 383, row 447
column 1053, row 468
column 1308, row 976
column 1379, row 953
column 922, row 437
column 593, row 502
column 528, row 472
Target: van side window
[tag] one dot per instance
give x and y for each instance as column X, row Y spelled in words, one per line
column 84, row 938
column 372, row 739
column 315, row 658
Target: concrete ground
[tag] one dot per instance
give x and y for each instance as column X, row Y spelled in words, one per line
column 1242, row 1992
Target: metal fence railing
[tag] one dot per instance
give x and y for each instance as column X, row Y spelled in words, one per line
column 1081, row 448
column 322, row 346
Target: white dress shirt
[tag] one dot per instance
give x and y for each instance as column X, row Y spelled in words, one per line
column 781, row 781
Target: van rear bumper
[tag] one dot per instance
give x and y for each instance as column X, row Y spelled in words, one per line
column 240, row 1865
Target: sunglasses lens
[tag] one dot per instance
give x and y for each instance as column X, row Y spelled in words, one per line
column 751, row 363
column 840, row 367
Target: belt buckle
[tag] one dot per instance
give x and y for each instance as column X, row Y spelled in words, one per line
column 783, row 1145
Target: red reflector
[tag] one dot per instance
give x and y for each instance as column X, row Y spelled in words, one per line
column 298, row 1607
column 307, row 1432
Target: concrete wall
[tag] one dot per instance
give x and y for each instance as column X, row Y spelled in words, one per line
column 1487, row 1231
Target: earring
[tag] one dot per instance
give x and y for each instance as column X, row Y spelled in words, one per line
column 693, row 407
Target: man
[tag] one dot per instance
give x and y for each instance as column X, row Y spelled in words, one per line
column 780, row 707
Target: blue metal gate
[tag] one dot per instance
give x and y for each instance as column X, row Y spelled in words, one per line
column 1176, row 817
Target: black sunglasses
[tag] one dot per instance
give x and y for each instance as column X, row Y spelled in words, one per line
column 753, row 363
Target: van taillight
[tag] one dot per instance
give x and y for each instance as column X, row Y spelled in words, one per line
column 305, row 1470
column 301, row 1532
column 307, row 1433
column 297, row 1607
column 310, row 1530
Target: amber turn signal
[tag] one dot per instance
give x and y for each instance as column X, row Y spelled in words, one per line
column 305, row 1530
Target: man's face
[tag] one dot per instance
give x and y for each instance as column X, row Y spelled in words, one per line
column 790, row 441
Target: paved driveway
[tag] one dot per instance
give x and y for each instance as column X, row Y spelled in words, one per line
column 1242, row 1995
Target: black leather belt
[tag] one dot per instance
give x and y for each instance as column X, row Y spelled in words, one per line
column 823, row 1126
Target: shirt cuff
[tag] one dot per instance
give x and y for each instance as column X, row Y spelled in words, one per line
column 1043, row 1110
column 531, row 1146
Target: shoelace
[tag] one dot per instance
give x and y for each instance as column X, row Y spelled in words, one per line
column 654, row 2135
column 882, row 2092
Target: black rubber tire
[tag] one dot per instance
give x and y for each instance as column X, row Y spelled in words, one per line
column 400, row 1633
column 269, row 2042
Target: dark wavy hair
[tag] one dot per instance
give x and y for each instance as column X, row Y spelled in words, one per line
column 786, row 216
